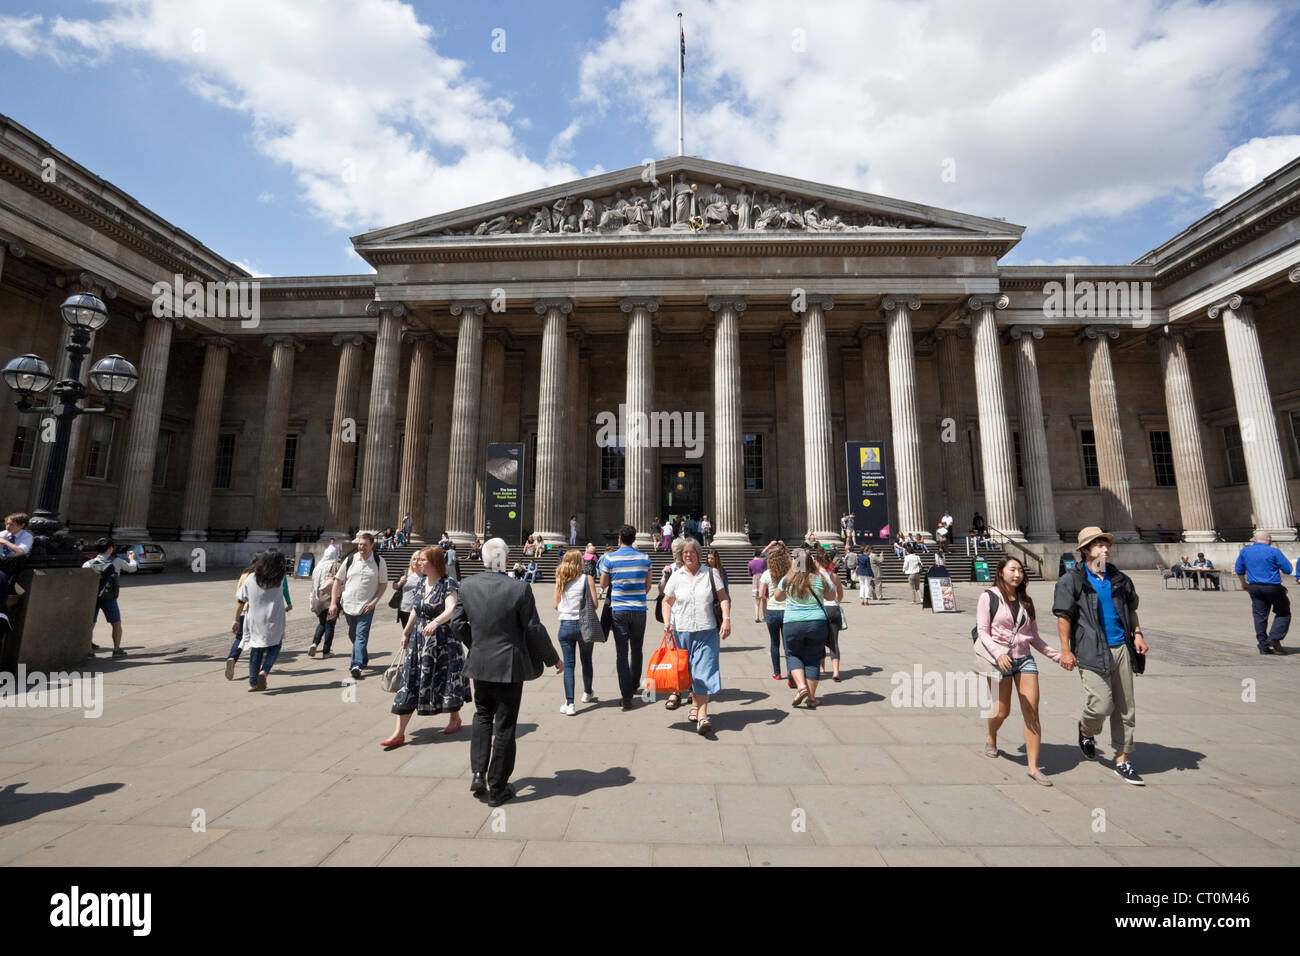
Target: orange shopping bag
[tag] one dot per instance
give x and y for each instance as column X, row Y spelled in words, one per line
column 670, row 670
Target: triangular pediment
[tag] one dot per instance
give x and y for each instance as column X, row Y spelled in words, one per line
column 685, row 194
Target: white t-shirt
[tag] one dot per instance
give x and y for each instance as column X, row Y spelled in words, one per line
column 571, row 599
column 264, row 619
column 361, row 581
column 947, row 521
column 912, row 564
column 828, row 596
column 693, row 599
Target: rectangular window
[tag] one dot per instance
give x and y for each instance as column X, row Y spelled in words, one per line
column 225, row 462
column 290, row 461
column 26, row 436
column 1020, row 471
column 162, row 458
column 1236, row 456
column 1162, row 459
column 612, row 462
column 100, row 447
column 1091, row 475
column 753, row 456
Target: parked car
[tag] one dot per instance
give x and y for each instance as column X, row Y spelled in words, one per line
column 149, row 556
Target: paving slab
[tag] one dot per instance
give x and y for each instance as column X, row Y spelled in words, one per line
column 98, row 844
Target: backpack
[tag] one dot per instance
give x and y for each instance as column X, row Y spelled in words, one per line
column 993, row 612
column 320, row 597
column 108, row 583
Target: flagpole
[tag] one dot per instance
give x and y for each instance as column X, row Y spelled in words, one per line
column 681, row 70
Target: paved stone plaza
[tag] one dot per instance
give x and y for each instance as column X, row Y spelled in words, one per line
column 296, row 776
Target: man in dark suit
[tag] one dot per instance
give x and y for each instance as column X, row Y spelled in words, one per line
column 496, row 618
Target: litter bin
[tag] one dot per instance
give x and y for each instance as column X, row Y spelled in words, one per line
column 981, row 570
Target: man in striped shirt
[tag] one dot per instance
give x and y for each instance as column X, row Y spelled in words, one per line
column 627, row 573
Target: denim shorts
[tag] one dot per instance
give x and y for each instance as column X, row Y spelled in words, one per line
column 109, row 607
column 1022, row 665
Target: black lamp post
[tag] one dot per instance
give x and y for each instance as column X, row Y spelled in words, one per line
column 28, row 375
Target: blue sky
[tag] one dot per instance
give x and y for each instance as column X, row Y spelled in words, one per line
column 279, row 129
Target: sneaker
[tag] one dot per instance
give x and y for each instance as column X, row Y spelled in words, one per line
column 1126, row 773
column 261, row 681
column 1087, row 745
column 311, row 651
column 325, row 654
column 356, row 673
column 118, row 652
column 589, row 698
column 230, row 668
column 1277, row 647
column 1267, row 651
column 567, row 710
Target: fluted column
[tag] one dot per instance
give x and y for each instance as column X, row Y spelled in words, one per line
column 489, row 419
column 1259, row 441
column 1112, row 468
column 196, row 509
column 1033, row 435
column 415, row 447
column 548, row 504
column 908, row 478
column 381, row 419
column 792, row 476
column 728, row 437
column 136, row 486
column 958, row 486
column 464, row 420
column 639, row 457
column 819, row 452
column 999, row 467
column 1194, row 503
column 343, row 436
column 275, row 425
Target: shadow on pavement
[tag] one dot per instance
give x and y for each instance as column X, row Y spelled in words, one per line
column 572, row 783
column 18, row 807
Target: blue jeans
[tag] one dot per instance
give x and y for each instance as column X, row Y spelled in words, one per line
column 805, row 646
column 774, row 619
column 570, row 637
column 359, row 634
column 261, row 659
column 629, row 633
column 324, row 628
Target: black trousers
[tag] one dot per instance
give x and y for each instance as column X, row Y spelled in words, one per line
column 1265, row 598
column 492, row 748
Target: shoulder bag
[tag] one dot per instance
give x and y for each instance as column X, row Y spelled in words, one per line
column 391, row 682
column 588, row 620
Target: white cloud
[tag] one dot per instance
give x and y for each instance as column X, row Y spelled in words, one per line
column 21, row 34
column 1077, row 235
column 1042, row 129
column 265, row 197
column 1247, row 164
column 353, row 95
column 251, row 269
column 561, row 148
column 1064, row 261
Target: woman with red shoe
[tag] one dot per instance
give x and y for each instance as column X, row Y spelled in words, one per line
column 432, row 680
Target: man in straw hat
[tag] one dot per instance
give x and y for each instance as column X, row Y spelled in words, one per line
column 1096, row 617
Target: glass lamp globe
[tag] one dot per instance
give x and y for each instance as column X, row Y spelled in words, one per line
column 27, row 374
column 114, row 375
column 84, row 311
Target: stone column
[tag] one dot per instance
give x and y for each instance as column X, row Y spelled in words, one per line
column 792, row 440
column 1194, row 502
column 908, row 480
column 995, row 433
column 136, row 485
column 574, row 438
column 489, row 419
column 548, row 521
column 958, row 486
column 1033, row 435
column 415, row 449
column 275, row 425
column 1112, row 469
column 818, row 448
column 1259, row 440
column 197, row 506
column 728, row 434
column 639, row 458
column 381, row 440
column 464, row 421
column 343, row 436
column 875, row 381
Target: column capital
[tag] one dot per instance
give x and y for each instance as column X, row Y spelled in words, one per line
column 398, row 309
column 891, row 301
column 288, row 341
column 1174, row 331
column 1294, row 274
column 578, row 337
column 709, row 331
column 87, row 282
column 865, row 331
column 216, row 341
column 647, row 302
column 542, row 306
column 1236, row 302
column 718, row 302
column 1095, row 332
column 348, row 338
column 788, row 332
column 17, row 248
column 1016, row 332
column 419, row 336
column 821, row 301
column 477, row 306
column 177, row 320
column 987, row 300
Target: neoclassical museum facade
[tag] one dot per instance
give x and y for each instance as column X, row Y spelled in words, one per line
column 784, row 317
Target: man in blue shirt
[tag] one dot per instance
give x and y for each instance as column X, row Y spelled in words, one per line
column 626, row 573
column 1260, row 567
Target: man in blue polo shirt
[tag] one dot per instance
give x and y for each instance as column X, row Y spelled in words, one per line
column 1260, row 567
column 627, row 573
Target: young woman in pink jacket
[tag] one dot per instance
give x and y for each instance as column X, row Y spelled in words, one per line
column 1007, row 629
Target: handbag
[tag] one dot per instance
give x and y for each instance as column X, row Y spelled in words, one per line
column 669, row 671
column 391, row 682
column 588, row 621
column 607, row 615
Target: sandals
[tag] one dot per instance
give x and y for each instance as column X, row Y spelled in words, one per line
column 1040, row 778
column 674, row 701
column 694, row 715
column 800, row 697
column 704, row 728
column 813, row 703
column 990, row 750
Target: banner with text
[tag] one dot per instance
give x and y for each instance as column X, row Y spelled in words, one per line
column 502, row 514
column 868, row 486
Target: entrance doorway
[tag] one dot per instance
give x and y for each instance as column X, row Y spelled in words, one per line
column 681, row 490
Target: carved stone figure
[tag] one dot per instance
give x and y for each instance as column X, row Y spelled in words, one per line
column 769, row 213
column 493, row 227
column 565, row 220
column 660, row 206
column 614, row 217
column 541, row 221
column 790, row 215
column 637, row 212
column 717, row 209
column 683, row 195
column 587, row 218
column 743, row 207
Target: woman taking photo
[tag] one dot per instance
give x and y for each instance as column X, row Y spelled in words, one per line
column 432, row 679
column 1007, row 628
column 570, row 581
column 805, row 628
column 688, row 603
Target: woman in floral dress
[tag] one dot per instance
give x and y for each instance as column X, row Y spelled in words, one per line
column 433, row 680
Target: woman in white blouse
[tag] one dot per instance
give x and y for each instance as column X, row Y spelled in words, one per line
column 689, row 596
